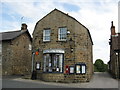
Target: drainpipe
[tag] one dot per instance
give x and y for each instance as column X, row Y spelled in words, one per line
column 118, row 66
column 117, row 51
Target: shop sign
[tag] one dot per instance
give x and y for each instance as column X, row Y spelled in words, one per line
column 54, row 51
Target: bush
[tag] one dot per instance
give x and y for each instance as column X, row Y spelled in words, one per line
column 99, row 66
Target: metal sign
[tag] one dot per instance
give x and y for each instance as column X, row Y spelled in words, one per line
column 54, row 51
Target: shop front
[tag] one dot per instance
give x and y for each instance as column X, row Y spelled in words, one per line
column 56, row 68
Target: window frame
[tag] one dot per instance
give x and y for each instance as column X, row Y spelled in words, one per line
column 44, row 35
column 80, row 68
column 61, row 34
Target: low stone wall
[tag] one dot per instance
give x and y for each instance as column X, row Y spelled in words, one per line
column 53, row 77
column 65, row 78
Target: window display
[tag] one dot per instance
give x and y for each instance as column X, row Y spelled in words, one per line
column 53, row 62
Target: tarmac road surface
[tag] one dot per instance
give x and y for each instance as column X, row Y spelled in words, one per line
column 99, row 80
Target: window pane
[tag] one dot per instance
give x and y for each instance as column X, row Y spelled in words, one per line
column 44, row 66
column 64, row 31
column 47, row 38
column 78, row 69
column 47, row 32
column 63, row 36
column 50, row 64
column 60, row 62
column 83, row 68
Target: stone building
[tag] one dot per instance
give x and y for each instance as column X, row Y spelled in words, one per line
column 16, row 52
column 114, row 63
column 62, row 48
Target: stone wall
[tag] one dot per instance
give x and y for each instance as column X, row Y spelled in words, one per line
column 16, row 56
column 113, row 57
column 6, row 58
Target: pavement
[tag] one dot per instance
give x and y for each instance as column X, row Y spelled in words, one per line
column 99, row 80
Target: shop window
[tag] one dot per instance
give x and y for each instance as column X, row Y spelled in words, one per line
column 62, row 34
column 53, row 63
column 46, row 35
column 80, row 68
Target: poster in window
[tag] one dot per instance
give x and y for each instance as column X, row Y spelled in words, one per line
column 57, row 69
column 38, row 66
column 83, row 69
column 78, row 69
column 50, row 64
column 71, row 69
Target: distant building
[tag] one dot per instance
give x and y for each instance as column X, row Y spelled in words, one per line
column 114, row 63
column 16, row 52
column 63, row 49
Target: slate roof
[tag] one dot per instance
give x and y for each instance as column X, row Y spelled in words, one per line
column 13, row 34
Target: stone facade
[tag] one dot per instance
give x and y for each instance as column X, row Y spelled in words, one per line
column 114, row 63
column 16, row 54
column 76, row 49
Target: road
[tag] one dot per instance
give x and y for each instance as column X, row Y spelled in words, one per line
column 24, row 83
column 99, row 80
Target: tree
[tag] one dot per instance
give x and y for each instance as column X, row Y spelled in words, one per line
column 99, row 66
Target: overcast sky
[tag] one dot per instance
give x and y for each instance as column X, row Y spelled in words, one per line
column 96, row 15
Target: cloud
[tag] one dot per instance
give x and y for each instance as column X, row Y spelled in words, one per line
column 95, row 15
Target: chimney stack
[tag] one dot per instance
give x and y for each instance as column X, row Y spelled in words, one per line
column 112, row 29
column 24, row 26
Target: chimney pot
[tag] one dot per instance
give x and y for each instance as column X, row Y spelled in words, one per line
column 112, row 29
column 112, row 23
column 24, row 26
